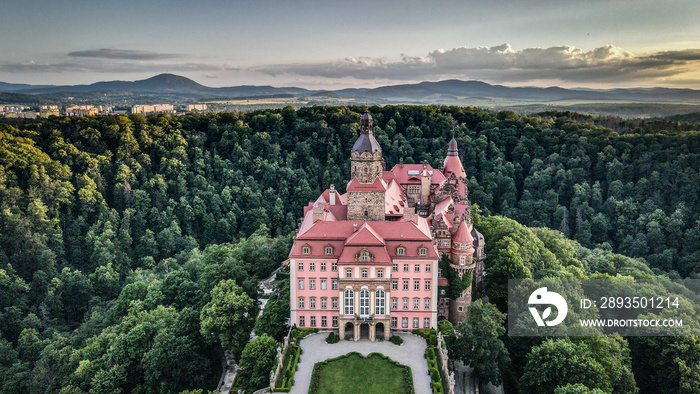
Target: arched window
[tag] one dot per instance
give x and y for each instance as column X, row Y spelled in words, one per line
column 349, row 302
column 306, row 249
column 364, row 303
column 329, row 250
column 379, row 302
column 422, row 251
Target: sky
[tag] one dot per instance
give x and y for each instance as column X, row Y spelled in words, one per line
column 338, row 44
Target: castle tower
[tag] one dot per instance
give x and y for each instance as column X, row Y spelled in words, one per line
column 461, row 260
column 366, row 189
column 453, row 165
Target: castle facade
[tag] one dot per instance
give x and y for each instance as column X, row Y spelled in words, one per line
column 366, row 262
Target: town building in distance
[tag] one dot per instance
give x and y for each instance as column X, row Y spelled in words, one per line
column 366, row 262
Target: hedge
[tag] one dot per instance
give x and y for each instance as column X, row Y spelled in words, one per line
column 290, row 360
column 429, row 334
column 396, row 340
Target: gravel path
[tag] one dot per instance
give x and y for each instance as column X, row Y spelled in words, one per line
column 316, row 349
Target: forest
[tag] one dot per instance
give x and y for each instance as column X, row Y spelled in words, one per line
column 122, row 238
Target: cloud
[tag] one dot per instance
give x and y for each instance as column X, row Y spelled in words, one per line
column 104, row 67
column 124, row 54
column 504, row 64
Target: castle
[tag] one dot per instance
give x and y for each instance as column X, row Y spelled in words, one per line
column 366, row 262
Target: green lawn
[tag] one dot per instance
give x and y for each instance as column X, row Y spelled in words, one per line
column 353, row 373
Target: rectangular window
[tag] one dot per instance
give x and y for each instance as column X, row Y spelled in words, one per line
column 405, row 268
column 416, row 268
column 349, row 303
column 323, row 284
column 416, row 303
column 415, row 322
column 394, row 285
column 364, row 273
column 380, row 273
column 395, row 267
column 427, row 267
column 445, row 244
column 334, row 266
column 334, row 285
column 334, row 303
column 324, row 303
column 312, row 284
column 440, row 273
column 404, row 322
column 323, row 266
column 300, row 266
column 301, row 302
column 405, row 303
column 405, row 285
column 379, row 305
column 348, row 273
column 394, row 303
column 324, row 322
column 302, row 321
column 312, row 303
column 394, row 322
column 427, row 285
column 426, row 322
column 413, row 189
column 416, row 285
column 313, row 321
column 426, row 304
column 312, row 266
column 301, row 284
column 335, row 321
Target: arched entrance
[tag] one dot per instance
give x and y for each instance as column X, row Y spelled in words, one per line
column 364, row 331
column 379, row 331
column 441, row 318
column 349, row 332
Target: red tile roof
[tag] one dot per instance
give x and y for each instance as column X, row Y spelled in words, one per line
column 402, row 176
column 355, row 186
column 365, row 235
column 463, row 234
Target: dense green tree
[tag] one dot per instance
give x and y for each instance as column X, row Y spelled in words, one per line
column 257, row 360
column 597, row 363
column 228, row 316
column 478, row 344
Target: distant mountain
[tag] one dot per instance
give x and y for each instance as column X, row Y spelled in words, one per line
column 14, row 87
column 448, row 91
column 162, row 84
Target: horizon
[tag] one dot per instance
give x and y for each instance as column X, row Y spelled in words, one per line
column 329, row 46
column 331, row 90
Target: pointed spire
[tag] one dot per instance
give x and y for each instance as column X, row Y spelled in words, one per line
column 452, row 148
column 366, row 141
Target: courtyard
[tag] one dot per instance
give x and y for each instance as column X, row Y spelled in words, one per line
column 410, row 353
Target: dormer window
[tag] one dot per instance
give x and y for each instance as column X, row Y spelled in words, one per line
column 423, row 251
column 306, row 249
column 328, row 250
column 364, row 255
column 400, row 251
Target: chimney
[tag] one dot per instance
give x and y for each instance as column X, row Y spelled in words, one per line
column 401, row 162
column 332, row 195
column 354, row 228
